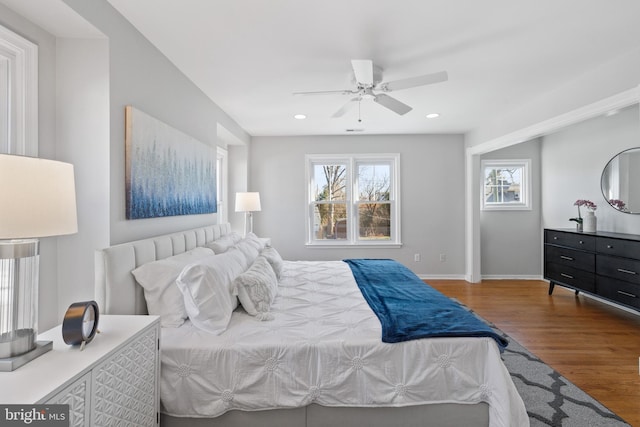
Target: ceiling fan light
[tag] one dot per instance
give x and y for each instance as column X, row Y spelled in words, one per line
column 433, row 115
column 300, row 117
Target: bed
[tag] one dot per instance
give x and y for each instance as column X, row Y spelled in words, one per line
column 316, row 358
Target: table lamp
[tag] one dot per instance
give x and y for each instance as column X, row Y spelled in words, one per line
column 38, row 200
column 248, row 203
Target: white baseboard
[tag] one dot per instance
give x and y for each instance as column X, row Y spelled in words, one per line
column 510, row 277
column 441, row 276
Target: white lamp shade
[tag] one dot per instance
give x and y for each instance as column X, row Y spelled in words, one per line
column 38, row 198
column 248, row 202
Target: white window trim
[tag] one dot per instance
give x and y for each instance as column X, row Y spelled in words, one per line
column 22, row 80
column 525, row 193
column 351, row 160
column 222, row 187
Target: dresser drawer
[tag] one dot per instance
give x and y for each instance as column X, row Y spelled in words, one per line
column 573, row 240
column 623, row 292
column 569, row 257
column 624, row 269
column 570, row 276
column 618, row 247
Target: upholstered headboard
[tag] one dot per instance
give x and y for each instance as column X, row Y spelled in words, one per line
column 116, row 290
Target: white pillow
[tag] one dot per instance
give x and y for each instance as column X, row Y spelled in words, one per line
column 249, row 250
column 257, row 288
column 228, row 266
column 274, row 258
column 222, row 244
column 206, row 288
column 158, row 279
column 255, row 241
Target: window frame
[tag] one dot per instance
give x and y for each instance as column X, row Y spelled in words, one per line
column 20, row 80
column 351, row 163
column 525, row 185
column 222, row 177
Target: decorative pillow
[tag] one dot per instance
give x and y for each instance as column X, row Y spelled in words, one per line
column 222, row 244
column 274, row 258
column 257, row 288
column 207, row 292
column 158, row 279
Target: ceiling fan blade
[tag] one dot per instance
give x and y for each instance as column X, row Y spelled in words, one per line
column 427, row 79
column 392, row 104
column 363, row 70
column 327, row 92
column 346, row 107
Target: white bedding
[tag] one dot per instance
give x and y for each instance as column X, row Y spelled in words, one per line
column 324, row 347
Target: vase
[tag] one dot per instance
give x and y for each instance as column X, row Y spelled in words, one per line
column 579, row 227
column 590, row 222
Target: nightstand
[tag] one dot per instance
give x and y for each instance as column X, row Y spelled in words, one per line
column 113, row 381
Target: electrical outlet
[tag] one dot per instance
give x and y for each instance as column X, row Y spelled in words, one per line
column 443, row 257
column 416, row 257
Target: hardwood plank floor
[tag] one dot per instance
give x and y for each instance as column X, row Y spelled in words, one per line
column 593, row 344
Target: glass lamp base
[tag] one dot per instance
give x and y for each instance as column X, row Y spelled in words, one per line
column 12, row 363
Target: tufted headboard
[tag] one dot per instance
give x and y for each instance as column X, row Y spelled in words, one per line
column 116, row 290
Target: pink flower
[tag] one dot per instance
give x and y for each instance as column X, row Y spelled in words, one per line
column 586, row 203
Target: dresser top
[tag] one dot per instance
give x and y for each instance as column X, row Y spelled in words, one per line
column 599, row 234
column 41, row 377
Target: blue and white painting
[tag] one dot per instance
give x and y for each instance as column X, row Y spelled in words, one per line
column 168, row 173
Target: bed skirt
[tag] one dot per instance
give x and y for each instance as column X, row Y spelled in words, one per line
column 439, row 415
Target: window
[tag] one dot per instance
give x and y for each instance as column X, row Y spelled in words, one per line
column 221, row 185
column 18, row 94
column 353, row 200
column 506, row 185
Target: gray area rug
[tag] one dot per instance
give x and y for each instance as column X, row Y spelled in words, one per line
column 550, row 398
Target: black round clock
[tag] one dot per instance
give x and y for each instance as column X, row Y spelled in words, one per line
column 80, row 323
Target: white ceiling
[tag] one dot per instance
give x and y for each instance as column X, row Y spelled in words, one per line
column 249, row 56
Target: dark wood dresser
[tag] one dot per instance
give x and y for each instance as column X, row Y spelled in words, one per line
column 603, row 264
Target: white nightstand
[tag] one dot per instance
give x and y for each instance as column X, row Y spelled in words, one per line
column 113, row 381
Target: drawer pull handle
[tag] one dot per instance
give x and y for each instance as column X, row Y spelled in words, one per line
column 627, row 294
column 622, row 270
column 609, row 247
column 581, row 242
column 566, row 275
column 568, row 258
column 555, row 237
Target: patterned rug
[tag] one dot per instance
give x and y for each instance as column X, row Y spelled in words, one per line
column 550, row 398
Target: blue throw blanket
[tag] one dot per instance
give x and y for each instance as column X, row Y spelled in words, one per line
column 409, row 309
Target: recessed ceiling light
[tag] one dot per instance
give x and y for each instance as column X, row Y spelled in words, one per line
column 300, row 116
column 433, row 115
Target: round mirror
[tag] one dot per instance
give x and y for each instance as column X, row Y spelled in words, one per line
column 620, row 181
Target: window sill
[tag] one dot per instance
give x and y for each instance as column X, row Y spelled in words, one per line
column 354, row 245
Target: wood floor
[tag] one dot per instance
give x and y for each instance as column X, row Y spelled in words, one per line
column 594, row 345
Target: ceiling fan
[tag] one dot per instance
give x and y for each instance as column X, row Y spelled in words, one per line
column 363, row 71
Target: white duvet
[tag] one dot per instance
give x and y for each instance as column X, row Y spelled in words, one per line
column 324, row 347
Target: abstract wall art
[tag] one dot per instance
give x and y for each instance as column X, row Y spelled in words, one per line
column 167, row 173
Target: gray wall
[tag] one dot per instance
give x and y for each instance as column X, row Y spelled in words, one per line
column 84, row 85
column 572, row 164
column 509, row 239
column 432, row 196
column 141, row 76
